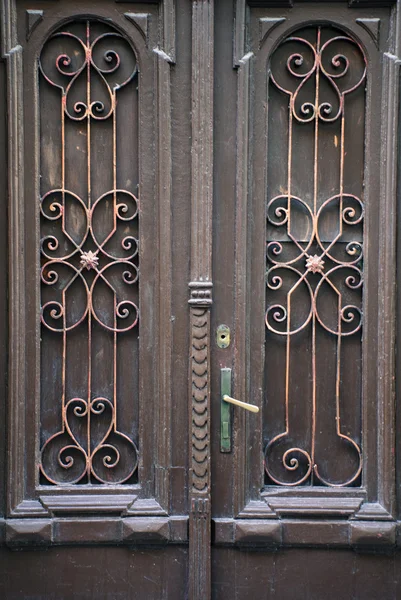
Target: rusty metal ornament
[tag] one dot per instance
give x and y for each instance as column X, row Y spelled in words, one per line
column 89, row 447
column 313, row 263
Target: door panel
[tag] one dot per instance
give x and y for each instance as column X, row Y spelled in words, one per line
column 80, row 140
column 286, row 358
column 313, row 317
column 73, row 152
column 92, row 379
column 95, row 342
column 307, row 574
column 100, row 572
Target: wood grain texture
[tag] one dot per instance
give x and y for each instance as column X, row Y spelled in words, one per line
column 362, row 503
column 387, row 282
column 307, row 532
column 297, row 544
column 305, row 575
column 97, row 573
column 200, row 468
column 12, row 52
column 202, row 139
column 201, row 297
column 169, row 33
column 143, row 530
column 291, row 3
column 3, row 284
column 164, row 373
column 24, row 497
column 241, row 340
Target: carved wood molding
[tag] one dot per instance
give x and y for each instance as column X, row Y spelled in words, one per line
column 371, row 3
column 344, row 505
column 8, row 26
column 33, row 18
column 12, row 52
column 351, row 3
column 200, row 397
column 270, row 534
column 163, row 95
column 129, row 530
column 16, row 375
column 386, row 279
column 169, row 46
column 141, row 22
column 200, row 298
column 241, row 386
column 239, row 33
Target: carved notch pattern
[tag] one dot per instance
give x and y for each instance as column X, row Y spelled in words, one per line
column 314, row 252
column 89, row 255
column 200, row 431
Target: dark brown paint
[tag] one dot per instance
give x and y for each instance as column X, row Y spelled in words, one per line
column 199, row 523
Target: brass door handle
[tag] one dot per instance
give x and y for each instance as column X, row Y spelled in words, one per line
column 225, row 410
column 245, row 405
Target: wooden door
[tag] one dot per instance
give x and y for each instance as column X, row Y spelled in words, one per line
column 96, row 423
column 201, row 199
column 303, row 274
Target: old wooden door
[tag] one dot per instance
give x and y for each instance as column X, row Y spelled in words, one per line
column 303, row 275
column 201, row 201
column 97, row 426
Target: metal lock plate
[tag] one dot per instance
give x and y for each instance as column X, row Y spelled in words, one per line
column 225, row 411
column 223, row 336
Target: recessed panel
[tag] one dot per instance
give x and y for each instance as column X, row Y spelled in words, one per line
column 89, row 248
column 314, row 259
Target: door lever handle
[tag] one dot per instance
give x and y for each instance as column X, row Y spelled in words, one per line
column 225, row 409
column 245, row 405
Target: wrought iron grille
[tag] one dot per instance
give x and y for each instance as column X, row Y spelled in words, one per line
column 89, row 256
column 314, row 249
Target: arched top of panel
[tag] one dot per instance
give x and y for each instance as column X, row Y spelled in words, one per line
column 321, row 56
column 120, row 33
column 329, row 31
column 92, row 50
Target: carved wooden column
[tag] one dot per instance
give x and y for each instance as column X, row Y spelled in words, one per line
column 201, row 297
column 12, row 53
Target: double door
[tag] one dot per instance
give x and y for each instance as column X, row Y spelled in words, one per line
column 201, row 210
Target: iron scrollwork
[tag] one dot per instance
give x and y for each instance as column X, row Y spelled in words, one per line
column 314, row 276
column 89, row 255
